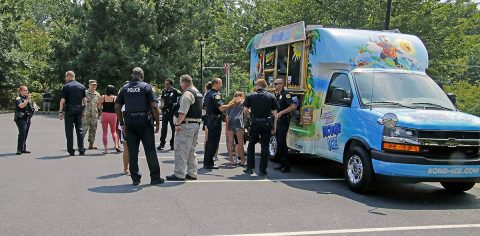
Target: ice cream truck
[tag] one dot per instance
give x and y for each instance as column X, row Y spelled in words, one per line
column 365, row 101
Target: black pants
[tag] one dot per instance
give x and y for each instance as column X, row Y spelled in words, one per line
column 257, row 133
column 167, row 118
column 214, row 125
column 71, row 120
column 145, row 133
column 23, row 126
column 281, row 135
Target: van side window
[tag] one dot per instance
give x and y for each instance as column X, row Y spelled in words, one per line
column 339, row 91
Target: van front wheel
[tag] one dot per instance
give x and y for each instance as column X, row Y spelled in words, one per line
column 358, row 170
column 457, row 187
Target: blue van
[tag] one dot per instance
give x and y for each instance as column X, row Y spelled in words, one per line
column 365, row 101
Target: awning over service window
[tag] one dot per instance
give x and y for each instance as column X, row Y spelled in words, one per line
column 282, row 35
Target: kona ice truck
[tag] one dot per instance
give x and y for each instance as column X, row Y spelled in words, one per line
column 364, row 100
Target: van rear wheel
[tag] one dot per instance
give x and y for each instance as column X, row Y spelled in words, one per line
column 273, row 149
column 358, row 170
column 457, row 187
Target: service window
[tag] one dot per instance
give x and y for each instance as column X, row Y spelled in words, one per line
column 339, row 91
column 269, row 64
column 294, row 64
column 288, row 66
column 284, row 62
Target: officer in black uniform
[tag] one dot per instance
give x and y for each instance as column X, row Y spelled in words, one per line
column 23, row 113
column 214, row 108
column 285, row 106
column 262, row 125
column 74, row 100
column 170, row 96
column 141, row 111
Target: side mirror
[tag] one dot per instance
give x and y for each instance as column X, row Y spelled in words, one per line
column 453, row 98
column 340, row 96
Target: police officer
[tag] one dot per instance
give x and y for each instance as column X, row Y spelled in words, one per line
column 141, row 111
column 214, row 108
column 23, row 113
column 169, row 99
column 73, row 99
column 92, row 112
column 262, row 124
column 188, row 115
column 285, row 106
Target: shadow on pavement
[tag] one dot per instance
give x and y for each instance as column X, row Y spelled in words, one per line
column 52, row 157
column 403, row 196
column 169, row 162
column 123, row 188
column 203, row 171
column 8, row 155
column 169, row 184
column 111, row 176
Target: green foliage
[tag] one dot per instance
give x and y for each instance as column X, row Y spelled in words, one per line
column 105, row 39
column 468, row 96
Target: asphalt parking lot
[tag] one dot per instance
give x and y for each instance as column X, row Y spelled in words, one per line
column 49, row 193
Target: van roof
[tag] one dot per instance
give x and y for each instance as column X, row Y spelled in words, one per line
column 364, row 48
column 369, row 49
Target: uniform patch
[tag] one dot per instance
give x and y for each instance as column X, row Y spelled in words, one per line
column 288, row 96
column 18, row 98
column 217, row 96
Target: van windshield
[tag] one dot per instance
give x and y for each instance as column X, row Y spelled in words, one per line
column 401, row 89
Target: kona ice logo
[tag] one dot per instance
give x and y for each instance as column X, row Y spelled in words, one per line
column 331, row 131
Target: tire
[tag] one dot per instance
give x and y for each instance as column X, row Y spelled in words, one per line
column 273, row 150
column 358, row 170
column 457, row 187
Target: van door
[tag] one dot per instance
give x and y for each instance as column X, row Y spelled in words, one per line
column 333, row 116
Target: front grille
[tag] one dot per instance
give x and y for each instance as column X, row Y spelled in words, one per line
column 427, row 134
column 450, row 153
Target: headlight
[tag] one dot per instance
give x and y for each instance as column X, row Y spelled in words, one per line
column 399, row 132
column 400, row 139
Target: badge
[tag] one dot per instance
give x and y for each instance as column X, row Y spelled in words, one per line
column 288, row 95
column 217, row 96
column 18, row 98
column 171, row 94
column 280, row 97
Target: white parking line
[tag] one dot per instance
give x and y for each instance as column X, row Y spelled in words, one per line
column 254, row 180
column 365, row 230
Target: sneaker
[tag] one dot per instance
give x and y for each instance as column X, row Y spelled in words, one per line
column 248, row 171
column 278, row 167
column 173, row 177
column 157, row 181
column 189, row 177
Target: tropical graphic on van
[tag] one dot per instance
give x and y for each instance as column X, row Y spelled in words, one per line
column 384, row 52
column 312, row 99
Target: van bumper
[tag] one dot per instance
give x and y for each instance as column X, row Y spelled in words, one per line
column 412, row 168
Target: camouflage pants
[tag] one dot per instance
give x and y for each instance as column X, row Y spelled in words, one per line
column 90, row 125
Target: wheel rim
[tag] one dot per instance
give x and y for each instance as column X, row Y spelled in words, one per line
column 272, row 147
column 355, row 169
